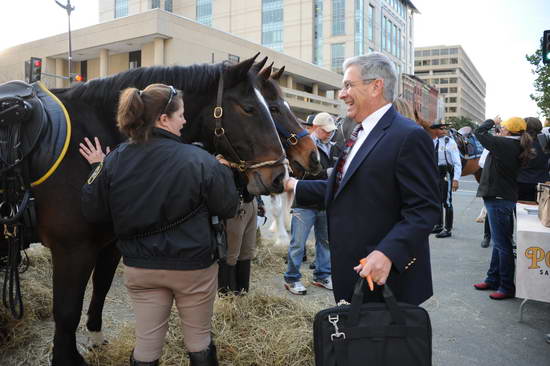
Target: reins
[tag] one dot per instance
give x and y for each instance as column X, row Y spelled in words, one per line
column 220, row 137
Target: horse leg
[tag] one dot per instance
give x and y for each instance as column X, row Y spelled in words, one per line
column 104, row 271
column 72, row 266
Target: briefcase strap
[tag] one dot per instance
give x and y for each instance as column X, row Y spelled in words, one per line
column 357, row 301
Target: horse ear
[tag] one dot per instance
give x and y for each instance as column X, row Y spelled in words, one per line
column 257, row 67
column 239, row 71
column 265, row 73
column 278, row 74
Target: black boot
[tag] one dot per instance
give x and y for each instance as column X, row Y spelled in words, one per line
column 243, row 276
column 227, row 278
column 206, row 357
column 139, row 363
column 486, row 241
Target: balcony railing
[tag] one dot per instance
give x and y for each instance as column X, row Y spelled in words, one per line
column 312, row 101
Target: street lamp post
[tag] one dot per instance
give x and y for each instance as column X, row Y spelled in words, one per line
column 69, row 9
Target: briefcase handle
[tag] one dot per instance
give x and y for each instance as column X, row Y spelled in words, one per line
column 389, row 299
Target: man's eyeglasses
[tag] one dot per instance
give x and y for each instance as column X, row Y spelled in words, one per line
column 347, row 85
column 173, row 93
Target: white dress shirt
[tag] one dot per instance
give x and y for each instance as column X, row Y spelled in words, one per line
column 448, row 153
column 368, row 125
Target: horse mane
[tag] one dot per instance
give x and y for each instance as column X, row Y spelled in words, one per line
column 201, row 78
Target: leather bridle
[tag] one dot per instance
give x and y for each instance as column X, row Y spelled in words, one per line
column 220, row 139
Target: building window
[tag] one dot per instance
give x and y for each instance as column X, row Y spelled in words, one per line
column 155, row 4
column 370, row 19
column 443, row 90
column 444, row 61
column 233, row 59
column 318, row 32
column 444, row 51
column 426, row 53
column 337, row 57
column 121, row 8
column 272, row 24
column 204, row 12
column 359, row 27
column 168, row 5
column 454, row 60
column 134, row 59
column 383, row 34
column 425, row 62
column 399, row 43
column 453, row 80
column 454, row 51
column 371, row 49
column 452, row 90
column 417, row 63
column 388, row 34
column 338, row 17
column 84, row 70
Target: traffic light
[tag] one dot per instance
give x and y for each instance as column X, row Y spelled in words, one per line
column 546, row 47
column 35, row 69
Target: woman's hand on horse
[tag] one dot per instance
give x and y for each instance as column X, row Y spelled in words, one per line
column 93, row 153
column 222, row 160
column 454, row 185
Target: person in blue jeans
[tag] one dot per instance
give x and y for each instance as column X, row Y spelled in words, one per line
column 304, row 218
column 498, row 187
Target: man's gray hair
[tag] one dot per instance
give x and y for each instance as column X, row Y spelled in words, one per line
column 376, row 65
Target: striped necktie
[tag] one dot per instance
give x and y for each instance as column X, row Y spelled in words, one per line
column 349, row 145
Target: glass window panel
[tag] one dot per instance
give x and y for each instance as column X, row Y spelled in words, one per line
column 444, row 51
column 370, row 19
column 168, row 5
column 435, row 62
column 204, row 12
column 272, row 24
column 359, row 27
column 155, row 4
column 318, row 32
column 338, row 17
column 121, row 8
column 337, row 57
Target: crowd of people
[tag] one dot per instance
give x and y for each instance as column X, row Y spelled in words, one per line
column 400, row 174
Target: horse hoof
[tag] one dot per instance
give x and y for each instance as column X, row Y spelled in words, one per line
column 96, row 339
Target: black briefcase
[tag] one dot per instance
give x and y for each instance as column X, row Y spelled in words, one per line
column 373, row 334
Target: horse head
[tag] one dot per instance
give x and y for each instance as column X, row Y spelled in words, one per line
column 238, row 125
column 299, row 146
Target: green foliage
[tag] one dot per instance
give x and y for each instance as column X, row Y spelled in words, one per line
column 459, row 122
column 542, row 82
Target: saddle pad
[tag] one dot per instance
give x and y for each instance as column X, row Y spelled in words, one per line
column 53, row 142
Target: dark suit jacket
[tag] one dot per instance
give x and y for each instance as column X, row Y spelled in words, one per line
column 388, row 200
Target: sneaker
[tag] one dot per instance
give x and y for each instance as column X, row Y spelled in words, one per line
column 325, row 283
column 296, row 288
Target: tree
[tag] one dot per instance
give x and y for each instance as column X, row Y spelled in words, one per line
column 542, row 82
column 458, row 122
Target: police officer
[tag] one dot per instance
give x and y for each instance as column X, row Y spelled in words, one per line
column 450, row 169
column 159, row 195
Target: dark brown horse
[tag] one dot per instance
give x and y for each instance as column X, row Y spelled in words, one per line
column 299, row 146
column 78, row 248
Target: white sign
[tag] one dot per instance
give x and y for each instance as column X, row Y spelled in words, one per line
column 533, row 256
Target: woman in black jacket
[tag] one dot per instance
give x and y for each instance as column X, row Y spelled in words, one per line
column 498, row 187
column 536, row 170
column 160, row 194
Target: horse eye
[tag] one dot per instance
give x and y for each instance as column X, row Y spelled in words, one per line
column 274, row 109
column 248, row 109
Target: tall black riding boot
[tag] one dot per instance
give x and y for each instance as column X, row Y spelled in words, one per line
column 243, row 276
column 206, row 357
column 227, row 278
column 140, row 363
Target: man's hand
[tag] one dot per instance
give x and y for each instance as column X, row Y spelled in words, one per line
column 93, row 154
column 289, row 184
column 454, row 186
column 378, row 266
column 497, row 120
column 261, row 211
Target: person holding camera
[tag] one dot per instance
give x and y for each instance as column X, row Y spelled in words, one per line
column 499, row 190
column 450, row 169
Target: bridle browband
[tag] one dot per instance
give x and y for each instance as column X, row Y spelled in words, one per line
column 220, row 137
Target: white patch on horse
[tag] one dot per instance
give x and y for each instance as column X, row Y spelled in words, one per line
column 288, row 106
column 96, row 339
column 262, row 100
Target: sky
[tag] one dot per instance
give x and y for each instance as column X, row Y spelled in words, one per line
column 496, row 35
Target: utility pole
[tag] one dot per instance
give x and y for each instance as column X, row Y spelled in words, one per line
column 69, row 9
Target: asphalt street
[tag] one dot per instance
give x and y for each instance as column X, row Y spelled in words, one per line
column 469, row 328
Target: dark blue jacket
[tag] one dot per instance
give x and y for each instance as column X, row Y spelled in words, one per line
column 388, row 201
column 147, row 189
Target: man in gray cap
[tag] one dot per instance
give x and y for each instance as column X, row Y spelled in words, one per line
column 304, row 217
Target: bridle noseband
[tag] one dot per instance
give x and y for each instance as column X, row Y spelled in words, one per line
column 221, row 138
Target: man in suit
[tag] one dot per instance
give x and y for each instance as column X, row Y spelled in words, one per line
column 382, row 199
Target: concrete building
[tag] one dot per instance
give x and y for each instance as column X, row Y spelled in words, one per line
column 321, row 32
column 157, row 37
column 423, row 97
column 450, row 69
